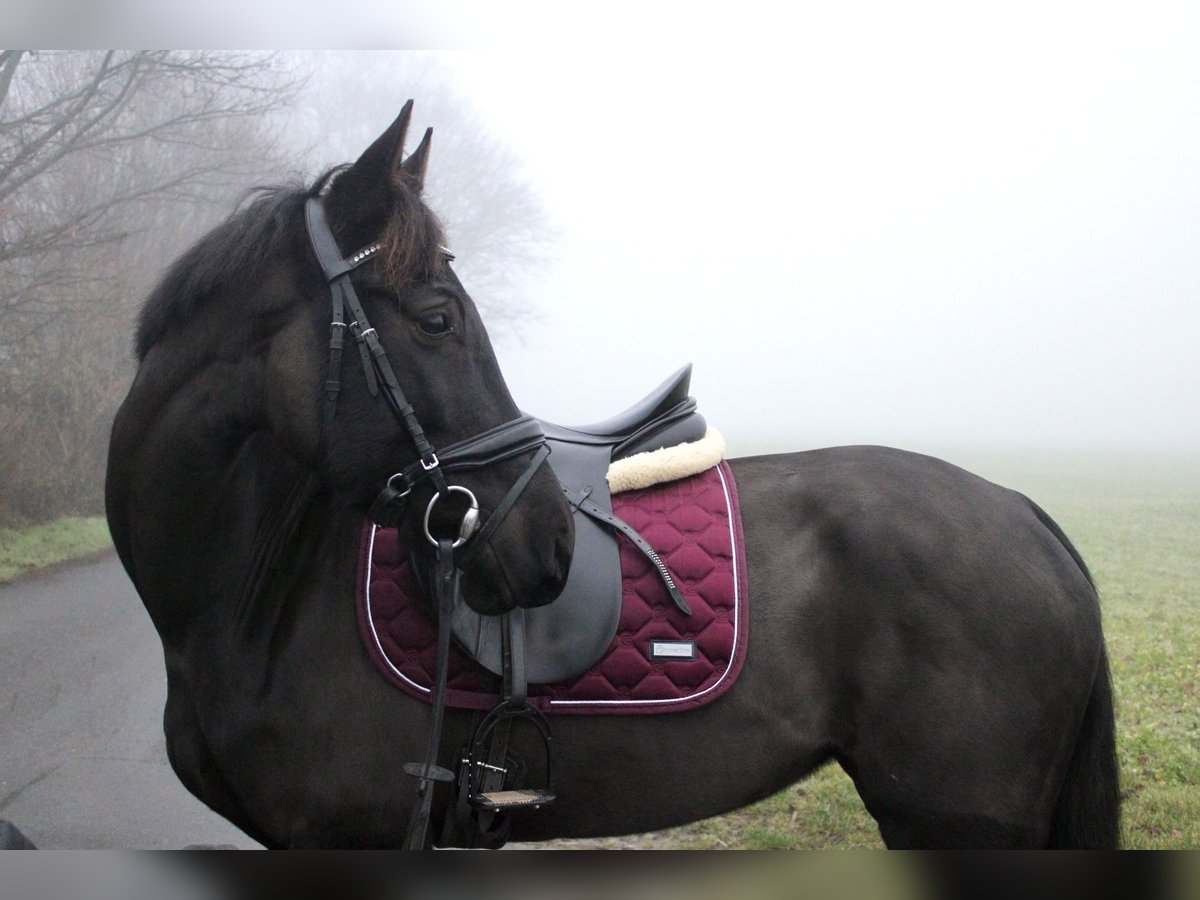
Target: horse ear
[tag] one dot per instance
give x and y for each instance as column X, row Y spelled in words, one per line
column 413, row 168
column 381, row 160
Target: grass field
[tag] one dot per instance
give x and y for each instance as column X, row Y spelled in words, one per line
column 27, row 549
column 1137, row 523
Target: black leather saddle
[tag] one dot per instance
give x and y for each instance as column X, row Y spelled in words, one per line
column 565, row 638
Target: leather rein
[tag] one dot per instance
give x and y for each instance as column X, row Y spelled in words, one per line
column 456, row 552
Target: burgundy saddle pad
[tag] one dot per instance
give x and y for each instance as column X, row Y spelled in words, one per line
column 659, row 661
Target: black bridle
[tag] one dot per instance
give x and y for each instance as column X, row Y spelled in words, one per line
column 454, row 553
column 519, row 436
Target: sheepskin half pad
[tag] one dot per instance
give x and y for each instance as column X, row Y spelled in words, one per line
column 660, row 660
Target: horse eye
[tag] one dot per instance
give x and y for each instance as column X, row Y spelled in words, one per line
column 435, row 324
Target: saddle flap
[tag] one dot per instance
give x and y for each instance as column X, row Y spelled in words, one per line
column 565, row 638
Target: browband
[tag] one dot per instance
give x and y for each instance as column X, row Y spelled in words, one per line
column 326, row 248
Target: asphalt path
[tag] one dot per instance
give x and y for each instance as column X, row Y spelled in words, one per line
column 82, row 758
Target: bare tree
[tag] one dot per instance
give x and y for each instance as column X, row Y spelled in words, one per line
column 110, row 163
column 87, row 138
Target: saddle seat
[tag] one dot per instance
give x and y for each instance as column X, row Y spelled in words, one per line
column 565, row 638
column 663, row 418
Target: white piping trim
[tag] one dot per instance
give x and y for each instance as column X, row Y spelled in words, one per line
column 371, row 621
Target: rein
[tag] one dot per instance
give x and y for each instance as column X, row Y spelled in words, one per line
column 453, row 554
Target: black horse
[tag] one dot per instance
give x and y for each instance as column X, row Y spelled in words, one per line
column 933, row 633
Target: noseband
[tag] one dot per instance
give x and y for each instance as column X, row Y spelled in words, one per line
column 521, row 435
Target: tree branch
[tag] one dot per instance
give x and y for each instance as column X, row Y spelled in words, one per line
column 9, row 60
column 116, row 109
column 30, row 150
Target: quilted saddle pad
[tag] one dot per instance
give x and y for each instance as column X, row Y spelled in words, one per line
column 660, row 659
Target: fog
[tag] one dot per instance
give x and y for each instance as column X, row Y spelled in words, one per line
column 918, row 232
column 933, row 228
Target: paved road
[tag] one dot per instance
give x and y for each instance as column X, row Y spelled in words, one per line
column 82, row 759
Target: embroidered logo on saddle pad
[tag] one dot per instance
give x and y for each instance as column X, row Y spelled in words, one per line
column 660, row 659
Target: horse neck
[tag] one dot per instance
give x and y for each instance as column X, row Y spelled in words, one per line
column 208, row 510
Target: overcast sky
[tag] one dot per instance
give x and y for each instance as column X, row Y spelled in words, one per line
column 913, row 231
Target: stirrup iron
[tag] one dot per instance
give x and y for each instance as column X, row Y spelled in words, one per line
column 492, row 787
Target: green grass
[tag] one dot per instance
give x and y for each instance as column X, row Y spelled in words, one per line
column 26, row 549
column 1137, row 524
column 1144, row 549
column 822, row 812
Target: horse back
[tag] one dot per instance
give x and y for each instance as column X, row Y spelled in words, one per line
column 896, row 521
column 945, row 610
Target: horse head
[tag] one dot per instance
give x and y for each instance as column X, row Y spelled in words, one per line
column 447, row 386
column 240, row 331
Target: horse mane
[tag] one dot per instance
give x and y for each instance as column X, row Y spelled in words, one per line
column 229, row 256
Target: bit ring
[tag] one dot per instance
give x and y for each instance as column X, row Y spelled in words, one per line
column 470, row 522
